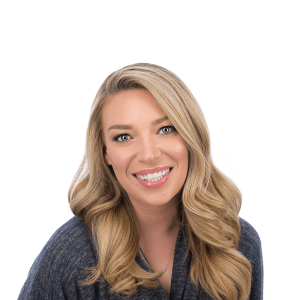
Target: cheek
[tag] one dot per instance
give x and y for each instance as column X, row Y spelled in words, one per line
column 118, row 159
column 180, row 152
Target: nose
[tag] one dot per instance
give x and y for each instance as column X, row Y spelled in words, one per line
column 148, row 150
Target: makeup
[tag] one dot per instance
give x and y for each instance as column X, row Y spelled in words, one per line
column 156, row 183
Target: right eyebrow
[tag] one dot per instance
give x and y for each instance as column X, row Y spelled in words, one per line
column 119, row 127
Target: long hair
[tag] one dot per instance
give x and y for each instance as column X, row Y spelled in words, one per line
column 209, row 207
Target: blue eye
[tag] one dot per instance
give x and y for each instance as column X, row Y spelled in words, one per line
column 167, row 129
column 120, row 138
column 125, row 137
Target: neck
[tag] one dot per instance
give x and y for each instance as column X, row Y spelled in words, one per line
column 158, row 221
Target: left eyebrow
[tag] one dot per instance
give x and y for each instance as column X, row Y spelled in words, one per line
column 158, row 121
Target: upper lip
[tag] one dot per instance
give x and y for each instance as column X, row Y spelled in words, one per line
column 151, row 171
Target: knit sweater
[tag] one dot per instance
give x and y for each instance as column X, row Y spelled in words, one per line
column 59, row 268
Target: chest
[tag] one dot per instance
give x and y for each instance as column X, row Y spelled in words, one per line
column 161, row 263
column 161, row 258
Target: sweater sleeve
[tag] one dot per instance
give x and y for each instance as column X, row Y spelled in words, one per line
column 250, row 246
column 60, row 267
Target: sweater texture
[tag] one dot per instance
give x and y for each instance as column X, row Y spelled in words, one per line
column 59, row 268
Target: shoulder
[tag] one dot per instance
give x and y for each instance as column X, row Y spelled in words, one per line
column 61, row 262
column 249, row 243
column 73, row 233
column 72, row 238
column 250, row 247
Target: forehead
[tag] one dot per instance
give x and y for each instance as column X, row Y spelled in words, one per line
column 130, row 106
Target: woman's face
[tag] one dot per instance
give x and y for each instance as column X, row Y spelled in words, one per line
column 148, row 156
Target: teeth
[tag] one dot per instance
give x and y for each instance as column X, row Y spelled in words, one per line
column 153, row 177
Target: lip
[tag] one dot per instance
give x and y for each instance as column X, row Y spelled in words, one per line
column 154, row 184
column 151, row 171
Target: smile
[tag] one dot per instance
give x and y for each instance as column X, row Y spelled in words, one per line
column 154, row 176
column 153, row 180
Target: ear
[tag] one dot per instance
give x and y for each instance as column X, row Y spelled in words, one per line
column 107, row 159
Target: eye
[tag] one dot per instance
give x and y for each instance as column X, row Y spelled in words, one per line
column 167, row 129
column 122, row 138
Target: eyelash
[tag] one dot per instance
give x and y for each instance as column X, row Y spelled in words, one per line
column 115, row 139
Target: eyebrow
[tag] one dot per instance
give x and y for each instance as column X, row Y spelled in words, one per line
column 119, row 126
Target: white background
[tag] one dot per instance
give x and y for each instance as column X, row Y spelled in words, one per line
column 241, row 61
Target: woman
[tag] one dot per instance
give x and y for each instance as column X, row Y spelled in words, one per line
column 155, row 219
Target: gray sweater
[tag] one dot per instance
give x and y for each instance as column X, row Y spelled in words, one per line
column 58, row 270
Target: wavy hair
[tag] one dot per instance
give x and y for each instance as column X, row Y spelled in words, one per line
column 209, row 207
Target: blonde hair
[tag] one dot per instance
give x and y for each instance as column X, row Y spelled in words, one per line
column 210, row 201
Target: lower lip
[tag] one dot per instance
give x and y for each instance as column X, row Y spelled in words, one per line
column 156, row 183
